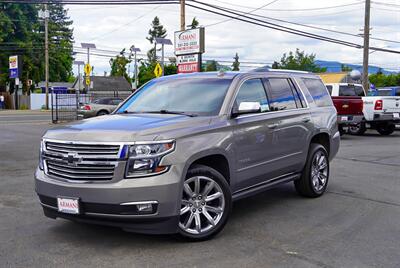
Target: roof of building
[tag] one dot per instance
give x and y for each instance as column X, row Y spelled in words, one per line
column 333, row 77
column 106, row 83
column 42, row 84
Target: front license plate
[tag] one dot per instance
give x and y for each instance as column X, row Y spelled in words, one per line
column 396, row 115
column 344, row 118
column 68, row 205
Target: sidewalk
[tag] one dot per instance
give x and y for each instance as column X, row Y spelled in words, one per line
column 23, row 112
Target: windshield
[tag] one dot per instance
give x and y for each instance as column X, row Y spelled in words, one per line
column 198, row 96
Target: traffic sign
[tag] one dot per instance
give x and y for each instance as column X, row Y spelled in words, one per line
column 87, row 81
column 87, row 69
column 158, row 70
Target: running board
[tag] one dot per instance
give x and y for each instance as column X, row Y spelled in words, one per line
column 260, row 187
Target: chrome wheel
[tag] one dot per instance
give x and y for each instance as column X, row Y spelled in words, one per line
column 319, row 171
column 202, row 206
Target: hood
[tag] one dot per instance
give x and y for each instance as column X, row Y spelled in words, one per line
column 128, row 127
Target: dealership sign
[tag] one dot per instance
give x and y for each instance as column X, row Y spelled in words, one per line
column 188, row 63
column 189, row 41
column 13, row 66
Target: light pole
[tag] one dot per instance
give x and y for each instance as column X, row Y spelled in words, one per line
column 163, row 41
column 135, row 50
column 77, row 92
column 44, row 14
column 88, row 46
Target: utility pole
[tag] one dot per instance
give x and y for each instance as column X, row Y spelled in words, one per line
column 135, row 50
column 46, row 49
column 366, row 44
column 182, row 15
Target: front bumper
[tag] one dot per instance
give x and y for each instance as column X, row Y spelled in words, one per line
column 105, row 203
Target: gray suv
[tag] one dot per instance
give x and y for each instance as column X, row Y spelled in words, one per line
column 177, row 152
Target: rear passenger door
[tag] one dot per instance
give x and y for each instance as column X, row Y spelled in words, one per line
column 293, row 125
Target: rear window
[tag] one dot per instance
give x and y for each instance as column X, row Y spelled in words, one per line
column 351, row 90
column 318, row 92
column 384, row 92
column 329, row 88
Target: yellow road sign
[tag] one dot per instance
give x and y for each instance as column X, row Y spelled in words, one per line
column 87, row 81
column 87, row 68
column 158, row 70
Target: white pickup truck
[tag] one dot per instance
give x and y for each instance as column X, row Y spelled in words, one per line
column 380, row 112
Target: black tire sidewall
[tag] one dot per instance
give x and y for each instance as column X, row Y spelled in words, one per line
column 386, row 129
column 361, row 131
column 201, row 170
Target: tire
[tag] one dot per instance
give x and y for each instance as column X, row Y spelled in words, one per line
column 385, row 129
column 341, row 130
column 102, row 112
column 197, row 214
column 358, row 129
column 315, row 176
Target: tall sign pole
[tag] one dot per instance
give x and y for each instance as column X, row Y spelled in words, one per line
column 366, row 44
column 183, row 15
column 46, row 49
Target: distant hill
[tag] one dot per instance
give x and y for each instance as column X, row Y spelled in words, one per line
column 335, row 66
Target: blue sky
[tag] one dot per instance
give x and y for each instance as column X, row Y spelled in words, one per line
column 116, row 27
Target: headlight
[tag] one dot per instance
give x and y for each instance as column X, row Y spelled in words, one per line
column 41, row 152
column 144, row 159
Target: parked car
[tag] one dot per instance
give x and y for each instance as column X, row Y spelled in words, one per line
column 349, row 108
column 380, row 112
column 176, row 153
column 101, row 106
column 386, row 91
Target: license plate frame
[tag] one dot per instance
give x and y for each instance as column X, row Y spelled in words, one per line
column 68, row 205
column 396, row 115
column 344, row 118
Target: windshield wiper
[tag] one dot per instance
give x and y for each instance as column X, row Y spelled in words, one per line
column 171, row 112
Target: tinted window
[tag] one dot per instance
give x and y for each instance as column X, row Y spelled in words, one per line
column 102, row 101
column 329, row 88
column 201, row 96
column 318, row 91
column 351, row 90
column 252, row 91
column 281, row 95
column 397, row 92
column 116, row 101
column 384, row 92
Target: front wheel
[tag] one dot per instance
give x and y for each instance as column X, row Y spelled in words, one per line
column 315, row 175
column 206, row 203
column 385, row 129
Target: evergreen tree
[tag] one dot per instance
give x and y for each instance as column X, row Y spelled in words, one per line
column 156, row 30
column 211, row 66
column 236, row 63
column 345, row 68
column 194, row 24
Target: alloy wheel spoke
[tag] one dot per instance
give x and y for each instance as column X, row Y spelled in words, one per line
column 197, row 222
column 213, row 196
column 189, row 221
column 208, row 217
column 197, row 185
column 208, row 188
column 187, row 189
column 213, row 209
column 185, row 209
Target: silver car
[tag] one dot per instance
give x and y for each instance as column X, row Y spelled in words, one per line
column 98, row 107
column 175, row 155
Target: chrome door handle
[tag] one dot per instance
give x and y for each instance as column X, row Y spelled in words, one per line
column 272, row 126
column 306, row 119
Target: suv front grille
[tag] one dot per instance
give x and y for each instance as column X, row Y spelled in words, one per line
column 80, row 161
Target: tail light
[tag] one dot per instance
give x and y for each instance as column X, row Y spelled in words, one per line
column 86, row 107
column 379, row 105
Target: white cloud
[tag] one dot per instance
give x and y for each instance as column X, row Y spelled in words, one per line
column 117, row 27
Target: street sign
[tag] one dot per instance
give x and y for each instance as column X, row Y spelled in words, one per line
column 13, row 66
column 87, row 69
column 189, row 41
column 188, row 63
column 158, row 70
column 87, row 81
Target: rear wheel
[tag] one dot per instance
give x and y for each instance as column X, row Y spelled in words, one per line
column 342, row 131
column 385, row 129
column 102, row 112
column 357, row 129
column 314, row 178
column 206, row 203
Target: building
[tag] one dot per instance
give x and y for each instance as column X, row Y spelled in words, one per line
column 105, row 85
column 339, row 77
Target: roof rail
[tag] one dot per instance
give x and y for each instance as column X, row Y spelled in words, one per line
column 278, row 70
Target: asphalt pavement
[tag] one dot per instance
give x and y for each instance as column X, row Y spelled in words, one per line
column 355, row 224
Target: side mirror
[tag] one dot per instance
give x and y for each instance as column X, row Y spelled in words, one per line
column 246, row 108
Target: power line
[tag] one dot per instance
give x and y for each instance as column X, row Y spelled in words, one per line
column 96, row 2
column 278, row 27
